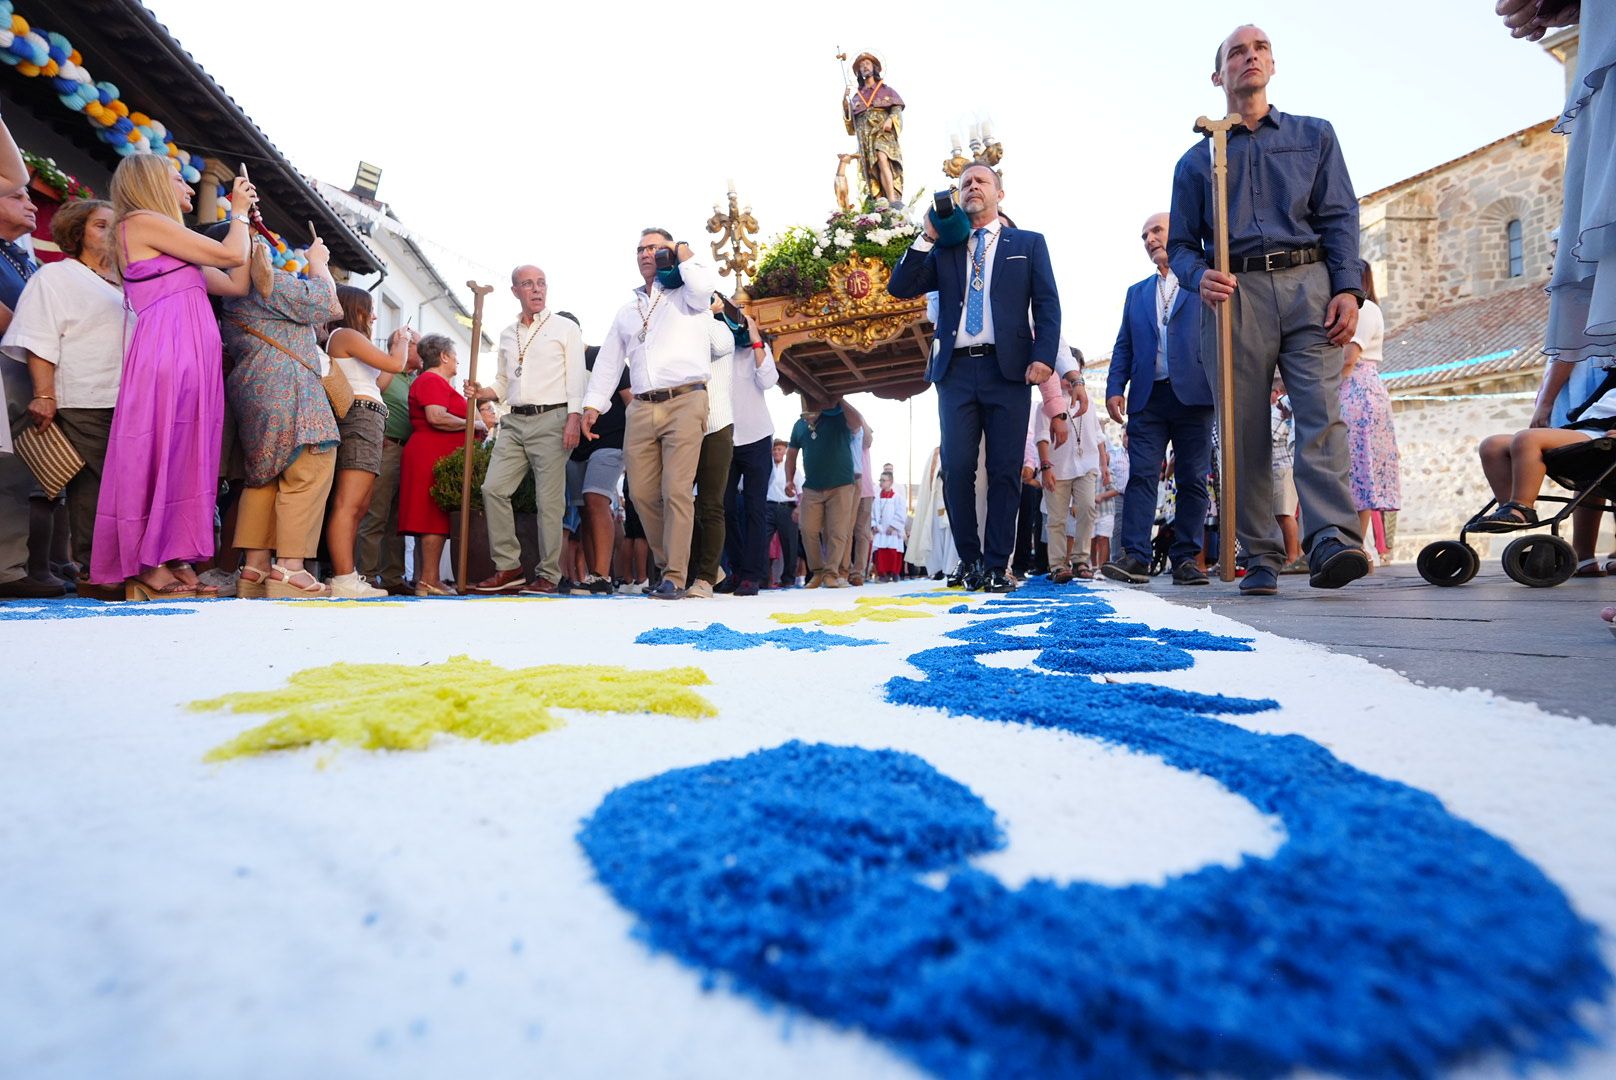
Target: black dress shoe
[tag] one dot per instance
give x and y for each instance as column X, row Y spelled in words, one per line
column 975, row 576
column 957, row 576
column 1187, row 573
column 1126, row 569
column 997, row 581
column 1333, row 564
column 729, row 585
column 1259, row 581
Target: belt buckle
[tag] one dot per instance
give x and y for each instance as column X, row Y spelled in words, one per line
column 1268, row 260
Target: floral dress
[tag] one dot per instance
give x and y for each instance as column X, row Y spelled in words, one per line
column 1366, row 409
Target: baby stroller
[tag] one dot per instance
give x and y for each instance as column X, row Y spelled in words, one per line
column 1541, row 561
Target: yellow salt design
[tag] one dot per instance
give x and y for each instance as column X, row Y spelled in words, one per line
column 401, row 707
column 866, row 609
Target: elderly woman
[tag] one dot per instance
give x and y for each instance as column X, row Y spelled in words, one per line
column 69, row 328
column 287, row 432
column 437, row 429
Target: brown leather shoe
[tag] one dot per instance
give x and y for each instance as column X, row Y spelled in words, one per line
column 503, row 581
column 540, row 586
column 855, row 580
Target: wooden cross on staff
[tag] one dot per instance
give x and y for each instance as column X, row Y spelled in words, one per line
column 1219, row 130
column 477, row 292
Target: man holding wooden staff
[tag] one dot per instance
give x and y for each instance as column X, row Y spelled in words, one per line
column 1293, row 296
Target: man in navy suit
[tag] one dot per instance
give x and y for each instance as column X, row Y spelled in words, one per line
column 985, row 355
column 1157, row 361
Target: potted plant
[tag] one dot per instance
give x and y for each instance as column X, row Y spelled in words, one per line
column 446, row 480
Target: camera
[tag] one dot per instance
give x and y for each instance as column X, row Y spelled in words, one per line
column 667, row 257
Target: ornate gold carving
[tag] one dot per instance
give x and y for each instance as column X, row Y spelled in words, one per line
column 856, row 312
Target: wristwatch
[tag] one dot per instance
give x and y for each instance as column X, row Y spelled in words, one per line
column 1060, row 416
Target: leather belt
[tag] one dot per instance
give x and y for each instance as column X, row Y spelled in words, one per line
column 670, row 393
column 537, row 410
column 373, row 406
column 976, row 350
column 1277, row 260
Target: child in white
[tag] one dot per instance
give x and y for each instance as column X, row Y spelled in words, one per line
column 1069, row 473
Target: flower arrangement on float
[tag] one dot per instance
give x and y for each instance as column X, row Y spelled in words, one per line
column 47, row 172
column 798, row 262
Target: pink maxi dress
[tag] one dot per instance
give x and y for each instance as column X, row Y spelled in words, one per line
column 160, row 487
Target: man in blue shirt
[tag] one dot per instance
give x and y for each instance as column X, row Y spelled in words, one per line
column 1293, row 296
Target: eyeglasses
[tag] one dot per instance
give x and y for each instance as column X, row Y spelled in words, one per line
column 643, row 248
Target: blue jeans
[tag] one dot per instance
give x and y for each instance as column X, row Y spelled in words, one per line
column 1163, row 420
column 746, row 540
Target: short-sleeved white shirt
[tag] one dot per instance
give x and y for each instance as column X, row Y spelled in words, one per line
column 69, row 316
column 1371, row 333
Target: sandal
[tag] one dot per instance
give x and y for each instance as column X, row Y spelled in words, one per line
column 1509, row 517
column 1589, row 568
column 139, row 589
column 252, row 587
column 1083, row 571
column 181, row 570
column 287, row 587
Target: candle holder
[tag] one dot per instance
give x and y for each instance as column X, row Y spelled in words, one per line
column 737, row 232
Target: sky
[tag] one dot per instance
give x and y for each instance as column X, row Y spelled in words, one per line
column 552, row 133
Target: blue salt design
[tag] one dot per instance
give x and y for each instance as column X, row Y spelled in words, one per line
column 1385, row 937
column 719, row 638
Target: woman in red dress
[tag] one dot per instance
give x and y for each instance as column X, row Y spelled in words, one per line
column 437, row 429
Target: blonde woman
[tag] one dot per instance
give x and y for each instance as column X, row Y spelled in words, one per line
column 155, row 514
column 369, row 370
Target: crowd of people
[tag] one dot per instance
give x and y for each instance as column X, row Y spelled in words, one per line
column 243, row 432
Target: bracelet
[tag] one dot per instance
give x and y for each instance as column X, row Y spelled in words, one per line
column 43, row 397
column 1061, row 416
column 757, row 344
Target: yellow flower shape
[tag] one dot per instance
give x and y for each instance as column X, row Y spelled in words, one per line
column 401, row 706
column 867, row 609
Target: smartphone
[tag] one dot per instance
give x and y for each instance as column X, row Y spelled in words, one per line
column 242, row 172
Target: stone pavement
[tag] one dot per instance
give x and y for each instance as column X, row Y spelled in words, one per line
column 1547, row 646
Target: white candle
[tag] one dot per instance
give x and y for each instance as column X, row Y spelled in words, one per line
column 731, row 183
column 955, row 139
column 976, row 132
column 987, row 129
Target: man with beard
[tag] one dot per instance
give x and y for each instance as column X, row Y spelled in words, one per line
column 874, row 114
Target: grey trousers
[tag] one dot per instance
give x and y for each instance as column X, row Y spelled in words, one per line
column 1279, row 323
column 527, row 442
column 89, row 430
column 381, row 547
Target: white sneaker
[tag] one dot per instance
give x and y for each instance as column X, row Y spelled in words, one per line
column 631, row 588
column 353, row 587
column 699, row 590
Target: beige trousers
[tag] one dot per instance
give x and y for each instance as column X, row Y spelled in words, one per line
column 285, row 515
column 1077, row 497
column 661, row 448
column 827, row 526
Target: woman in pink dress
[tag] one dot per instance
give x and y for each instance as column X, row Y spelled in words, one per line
column 158, row 491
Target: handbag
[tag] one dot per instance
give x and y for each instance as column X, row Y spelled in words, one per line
column 338, row 390
column 49, row 456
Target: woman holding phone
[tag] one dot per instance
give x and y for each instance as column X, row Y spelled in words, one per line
column 156, row 510
column 359, row 457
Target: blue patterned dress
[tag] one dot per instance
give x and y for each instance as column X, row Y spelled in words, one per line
column 1366, row 409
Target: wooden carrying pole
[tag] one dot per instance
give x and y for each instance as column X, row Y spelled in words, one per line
column 1219, row 130
column 477, row 292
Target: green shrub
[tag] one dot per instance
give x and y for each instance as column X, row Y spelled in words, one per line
column 448, row 472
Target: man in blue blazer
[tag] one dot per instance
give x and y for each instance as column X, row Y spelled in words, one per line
column 1157, row 361
column 985, row 355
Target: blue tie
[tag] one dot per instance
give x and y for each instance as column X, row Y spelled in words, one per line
column 973, row 295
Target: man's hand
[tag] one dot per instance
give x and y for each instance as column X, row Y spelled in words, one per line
column 1058, row 431
column 1027, row 474
column 1080, row 394
column 1037, row 373
column 1341, row 318
column 570, row 433
column 791, row 493
column 42, row 411
column 1217, row 287
column 587, row 424
column 1048, row 477
column 927, row 229
column 1116, row 406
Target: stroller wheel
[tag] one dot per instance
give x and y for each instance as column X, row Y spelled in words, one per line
column 1447, row 563
column 1540, row 561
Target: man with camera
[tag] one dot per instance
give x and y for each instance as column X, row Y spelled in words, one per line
column 662, row 335
column 985, row 356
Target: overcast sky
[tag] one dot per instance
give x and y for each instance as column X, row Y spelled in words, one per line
column 551, row 133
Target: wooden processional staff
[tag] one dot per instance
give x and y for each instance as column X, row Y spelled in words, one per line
column 1219, row 130
column 477, row 292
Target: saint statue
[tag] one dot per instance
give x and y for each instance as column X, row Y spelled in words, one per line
column 874, row 113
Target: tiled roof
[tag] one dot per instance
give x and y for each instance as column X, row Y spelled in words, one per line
column 1492, row 335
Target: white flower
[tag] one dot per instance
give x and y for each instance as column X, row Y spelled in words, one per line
column 843, row 238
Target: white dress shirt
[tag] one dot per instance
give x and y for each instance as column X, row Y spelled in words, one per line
column 990, row 242
column 749, row 381
column 552, row 366
column 777, row 482
column 1166, row 295
column 676, row 349
column 720, row 409
column 69, row 316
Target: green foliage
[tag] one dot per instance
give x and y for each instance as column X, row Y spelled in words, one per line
column 797, row 263
column 447, row 475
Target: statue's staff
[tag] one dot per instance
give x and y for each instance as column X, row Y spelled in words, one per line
column 477, row 292
column 1219, row 130
column 847, row 91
